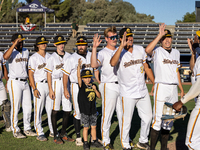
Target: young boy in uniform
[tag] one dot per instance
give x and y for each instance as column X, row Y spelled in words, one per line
column 86, row 99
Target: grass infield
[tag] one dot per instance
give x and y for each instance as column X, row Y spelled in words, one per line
column 7, row 141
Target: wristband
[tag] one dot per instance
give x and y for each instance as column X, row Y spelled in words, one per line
column 34, row 89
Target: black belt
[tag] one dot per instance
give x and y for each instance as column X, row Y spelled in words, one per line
column 24, row 80
column 116, row 82
column 44, row 81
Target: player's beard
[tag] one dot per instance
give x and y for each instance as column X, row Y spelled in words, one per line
column 82, row 51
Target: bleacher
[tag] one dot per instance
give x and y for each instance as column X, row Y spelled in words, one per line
column 51, row 30
column 182, row 32
column 144, row 33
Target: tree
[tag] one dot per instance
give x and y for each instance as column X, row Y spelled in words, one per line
column 188, row 17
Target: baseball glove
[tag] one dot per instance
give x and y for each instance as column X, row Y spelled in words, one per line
column 170, row 114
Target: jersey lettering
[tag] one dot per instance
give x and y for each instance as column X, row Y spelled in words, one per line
column 41, row 66
column 21, row 59
column 133, row 62
column 59, row 66
column 167, row 61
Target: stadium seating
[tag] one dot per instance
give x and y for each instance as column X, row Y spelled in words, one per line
column 51, row 30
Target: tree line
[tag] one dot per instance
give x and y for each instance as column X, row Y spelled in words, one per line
column 80, row 10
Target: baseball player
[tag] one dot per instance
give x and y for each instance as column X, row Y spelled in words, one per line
column 131, row 60
column 38, row 82
column 70, row 71
column 18, row 87
column 192, row 136
column 56, row 91
column 108, row 87
column 4, row 103
column 167, row 77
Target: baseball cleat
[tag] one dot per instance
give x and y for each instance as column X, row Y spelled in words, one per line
column 79, row 142
column 57, row 139
column 41, row 138
column 66, row 138
column 51, row 134
column 8, row 129
column 19, row 135
column 143, row 146
column 30, row 133
column 108, row 147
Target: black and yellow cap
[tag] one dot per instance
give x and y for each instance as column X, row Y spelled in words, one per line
column 41, row 40
column 86, row 73
column 81, row 40
column 167, row 33
column 59, row 39
column 16, row 36
column 198, row 33
column 127, row 30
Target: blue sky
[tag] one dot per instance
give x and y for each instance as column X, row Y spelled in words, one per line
column 167, row 11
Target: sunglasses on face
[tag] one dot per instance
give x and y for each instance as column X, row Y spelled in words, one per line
column 113, row 37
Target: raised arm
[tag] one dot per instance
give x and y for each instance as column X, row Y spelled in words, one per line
column 152, row 45
column 96, row 42
column 193, row 56
column 114, row 60
column 79, row 72
column 8, row 53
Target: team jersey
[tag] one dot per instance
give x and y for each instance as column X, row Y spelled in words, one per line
column 196, row 71
column 54, row 65
column 2, row 62
column 37, row 63
column 108, row 73
column 71, row 64
column 17, row 64
column 131, row 73
column 166, row 65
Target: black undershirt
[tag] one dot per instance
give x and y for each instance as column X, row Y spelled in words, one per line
column 169, row 51
column 61, row 55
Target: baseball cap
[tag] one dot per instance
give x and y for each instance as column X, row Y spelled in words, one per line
column 167, row 33
column 41, row 40
column 86, row 73
column 81, row 40
column 127, row 30
column 16, row 36
column 198, row 33
column 59, row 39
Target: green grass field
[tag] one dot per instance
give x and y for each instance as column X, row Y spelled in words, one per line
column 7, row 141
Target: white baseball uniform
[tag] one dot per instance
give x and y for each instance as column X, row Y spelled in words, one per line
column 166, row 80
column 133, row 92
column 18, row 88
column 70, row 69
column 109, row 89
column 54, row 66
column 37, row 64
column 3, row 94
column 193, row 135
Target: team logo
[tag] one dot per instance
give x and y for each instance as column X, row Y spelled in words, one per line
column 19, row 36
column 42, row 39
column 59, row 38
column 166, row 31
column 87, row 72
column 128, row 30
column 81, row 39
column 91, row 96
column 33, row 5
